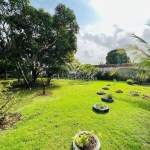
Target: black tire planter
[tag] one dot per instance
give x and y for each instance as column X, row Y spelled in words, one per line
column 107, row 99
column 99, row 110
column 105, row 88
column 101, row 93
column 75, row 147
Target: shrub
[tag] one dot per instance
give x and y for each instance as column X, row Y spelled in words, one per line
column 130, row 81
column 7, row 100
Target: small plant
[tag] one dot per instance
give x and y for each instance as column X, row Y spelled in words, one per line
column 119, row 91
column 101, row 93
column 86, row 140
column 145, row 96
column 83, row 139
column 105, row 88
column 130, row 81
column 135, row 93
column 101, row 106
column 109, row 96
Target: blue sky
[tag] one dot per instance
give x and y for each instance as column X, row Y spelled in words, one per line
column 104, row 24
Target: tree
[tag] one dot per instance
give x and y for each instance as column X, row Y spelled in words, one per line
column 140, row 50
column 88, row 71
column 35, row 40
column 118, row 56
column 9, row 33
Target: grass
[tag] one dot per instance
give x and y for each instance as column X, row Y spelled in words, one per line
column 50, row 122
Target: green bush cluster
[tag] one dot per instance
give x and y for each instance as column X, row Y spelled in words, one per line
column 130, row 81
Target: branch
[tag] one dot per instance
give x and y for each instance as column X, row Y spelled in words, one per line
column 50, row 45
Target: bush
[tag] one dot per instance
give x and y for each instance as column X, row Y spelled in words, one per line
column 7, row 100
column 130, row 81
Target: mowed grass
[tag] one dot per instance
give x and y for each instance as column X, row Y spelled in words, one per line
column 49, row 122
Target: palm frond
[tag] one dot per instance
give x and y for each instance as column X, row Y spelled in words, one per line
column 137, row 38
column 135, row 49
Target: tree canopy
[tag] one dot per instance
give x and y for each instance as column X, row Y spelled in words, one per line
column 117, row 56
column 33, row 40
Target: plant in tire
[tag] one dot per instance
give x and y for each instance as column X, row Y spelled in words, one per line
column 85, row 141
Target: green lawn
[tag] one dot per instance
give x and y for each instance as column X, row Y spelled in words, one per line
column 50, row 122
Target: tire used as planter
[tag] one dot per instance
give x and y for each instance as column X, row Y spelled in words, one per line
column 107, row 99
column 119, row 91
column 101, row 93
column 105, row 88
column 100, row 110
column 75, row 146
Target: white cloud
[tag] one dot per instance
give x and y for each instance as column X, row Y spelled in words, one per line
column 113, row 19
column 131, row 15
column 93, row 48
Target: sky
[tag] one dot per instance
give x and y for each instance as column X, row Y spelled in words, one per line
column 104, row 24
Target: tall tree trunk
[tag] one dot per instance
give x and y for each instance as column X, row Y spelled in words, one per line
column 34, row 76
column 43, row 88
column 48, row 81
column 43, row 84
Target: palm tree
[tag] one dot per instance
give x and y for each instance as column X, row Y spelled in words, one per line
column 141, row 51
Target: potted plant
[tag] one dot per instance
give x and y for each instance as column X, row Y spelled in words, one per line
column 101, row 93
column 135, row 93
column 85, row 140
column 100, row 108
column 107, row 98
column 119, row 91
column 105, row 88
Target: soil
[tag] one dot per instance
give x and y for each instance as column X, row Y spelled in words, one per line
column 9, row 120
column 91, row 145
column 41, row 93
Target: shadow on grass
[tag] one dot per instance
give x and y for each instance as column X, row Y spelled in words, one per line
column 141, row 104
column 144, row 103
column 71, row 147
column 53, row 86
column 102, row 113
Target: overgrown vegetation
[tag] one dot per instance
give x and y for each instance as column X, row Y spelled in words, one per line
column 7, row 100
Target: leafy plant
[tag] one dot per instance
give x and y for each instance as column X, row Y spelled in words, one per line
column 101, row 93
column 105, row 88
column 130, row 81
column 101, row 106
column 119, row 91
column 109, row 96
column 84, row 138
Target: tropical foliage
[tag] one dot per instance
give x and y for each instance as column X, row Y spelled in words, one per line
column 117, row 56
column 140, row 50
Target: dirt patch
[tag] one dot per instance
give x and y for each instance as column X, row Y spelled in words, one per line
column 9, row 120
column 41, row 94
